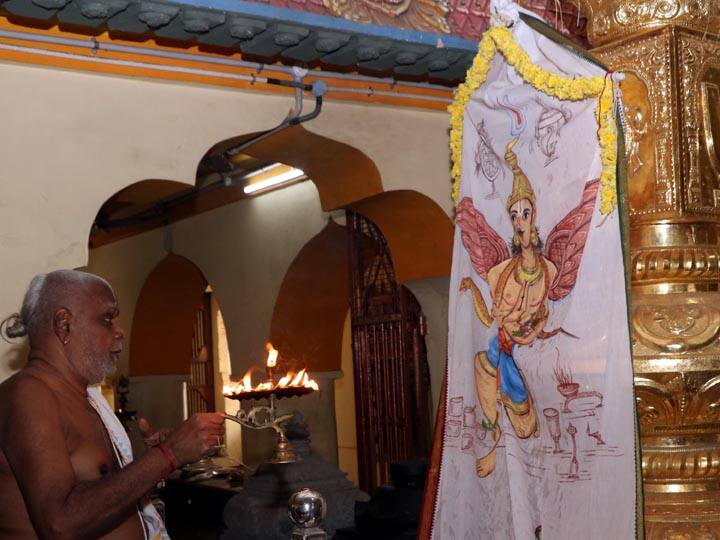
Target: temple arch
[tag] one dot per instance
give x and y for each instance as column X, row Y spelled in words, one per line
column 168, row 301
column 342, row 173
column 418, row 232
column 310, row 309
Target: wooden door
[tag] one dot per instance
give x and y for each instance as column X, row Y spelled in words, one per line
column 390, row 362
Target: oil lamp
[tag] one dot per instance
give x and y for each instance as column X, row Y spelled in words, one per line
column 267, row 416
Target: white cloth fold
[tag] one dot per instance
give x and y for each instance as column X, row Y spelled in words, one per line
column 152, row 522
column 503, row 12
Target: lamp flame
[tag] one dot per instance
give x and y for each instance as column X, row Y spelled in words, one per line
column 272, row 355
column 289, row 380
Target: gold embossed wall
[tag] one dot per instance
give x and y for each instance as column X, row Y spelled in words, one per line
column 670, row 52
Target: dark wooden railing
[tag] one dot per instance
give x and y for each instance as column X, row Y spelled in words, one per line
column 200, row 389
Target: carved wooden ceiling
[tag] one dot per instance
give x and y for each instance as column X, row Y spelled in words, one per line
column 420, row 40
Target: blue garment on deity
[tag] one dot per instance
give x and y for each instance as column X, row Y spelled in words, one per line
column 511, row 383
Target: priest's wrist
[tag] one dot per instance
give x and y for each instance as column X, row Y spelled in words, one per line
column 170, row 465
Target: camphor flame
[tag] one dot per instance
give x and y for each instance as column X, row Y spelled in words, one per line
column 289, row 380
column 272, row 355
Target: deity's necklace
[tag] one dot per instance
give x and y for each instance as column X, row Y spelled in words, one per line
column 524, row 275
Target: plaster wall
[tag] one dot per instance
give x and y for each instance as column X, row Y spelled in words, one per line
column 244, row 251
column 223, row 371
column 345, row 408
column 70, row 140
column 433, row 295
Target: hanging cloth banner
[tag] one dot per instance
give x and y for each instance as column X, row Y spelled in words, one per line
column 539, row 431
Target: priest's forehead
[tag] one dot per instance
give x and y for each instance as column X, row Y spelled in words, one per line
column 99, row 293
column 61, row 289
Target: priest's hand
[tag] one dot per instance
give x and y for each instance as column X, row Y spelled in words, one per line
column 151, row 436
column 196, row 438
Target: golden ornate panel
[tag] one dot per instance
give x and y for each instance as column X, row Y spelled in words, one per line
column 667, row 401
column 710, row 130
column 680, row 531
column 648, row 61
column 681, row 257
column 699, row 74
column 610, row 20
column 676, row 328
column 672, row 61
column 640, row 141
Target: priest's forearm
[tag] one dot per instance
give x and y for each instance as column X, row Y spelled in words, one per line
column 94, row 508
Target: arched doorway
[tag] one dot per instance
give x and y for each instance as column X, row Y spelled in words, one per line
column 178, row 348
column 245, row 246
column 390, row 368
column 167, row 307
column 384, row 387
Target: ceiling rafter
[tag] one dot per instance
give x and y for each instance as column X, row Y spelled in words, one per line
column 401, row 54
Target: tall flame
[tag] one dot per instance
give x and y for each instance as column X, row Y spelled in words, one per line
column 272, row 355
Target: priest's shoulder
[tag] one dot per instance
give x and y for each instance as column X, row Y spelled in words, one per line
column 26, row 390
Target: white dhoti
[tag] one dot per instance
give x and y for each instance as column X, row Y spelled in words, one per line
column 153, row 525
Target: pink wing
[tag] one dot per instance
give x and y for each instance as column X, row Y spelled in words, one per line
column 566, row 242
column 485, row 247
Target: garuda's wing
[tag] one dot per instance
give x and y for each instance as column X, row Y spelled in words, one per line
column 566, row 242
column 485, row 247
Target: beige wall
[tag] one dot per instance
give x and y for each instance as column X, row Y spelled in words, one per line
column 345, row 408
column 70, row 140
column 222, row 371
column 244, row 250
column 433, row 297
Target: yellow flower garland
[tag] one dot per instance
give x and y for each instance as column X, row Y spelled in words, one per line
column 564, row 88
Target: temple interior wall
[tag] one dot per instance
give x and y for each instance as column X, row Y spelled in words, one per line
column 71, row 140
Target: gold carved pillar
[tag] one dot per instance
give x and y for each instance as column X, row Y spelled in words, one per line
column 670, row 53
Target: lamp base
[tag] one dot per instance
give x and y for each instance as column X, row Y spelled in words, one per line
column 284, row 451
column 313, row 533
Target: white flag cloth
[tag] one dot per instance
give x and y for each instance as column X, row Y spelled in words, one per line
column 152, row 522
column 539, row 437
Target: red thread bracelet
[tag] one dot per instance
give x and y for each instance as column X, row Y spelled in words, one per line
column 169, row 461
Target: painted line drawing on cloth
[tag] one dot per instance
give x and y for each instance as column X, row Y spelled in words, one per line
column 548, row 128
column 487, row 161
column 515, row 112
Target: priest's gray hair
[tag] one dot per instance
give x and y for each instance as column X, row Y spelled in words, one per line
column 45, row 295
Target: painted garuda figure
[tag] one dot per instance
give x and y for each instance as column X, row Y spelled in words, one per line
column 521, row 281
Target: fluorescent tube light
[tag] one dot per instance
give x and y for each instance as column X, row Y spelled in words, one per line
column 262, row 170
column 282, row 178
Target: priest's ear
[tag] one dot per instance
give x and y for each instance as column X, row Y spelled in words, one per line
column 62, row 321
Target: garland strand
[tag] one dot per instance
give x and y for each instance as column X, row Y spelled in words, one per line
column 500, row 39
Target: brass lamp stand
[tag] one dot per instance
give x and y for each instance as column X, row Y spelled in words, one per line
column 266, row 417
